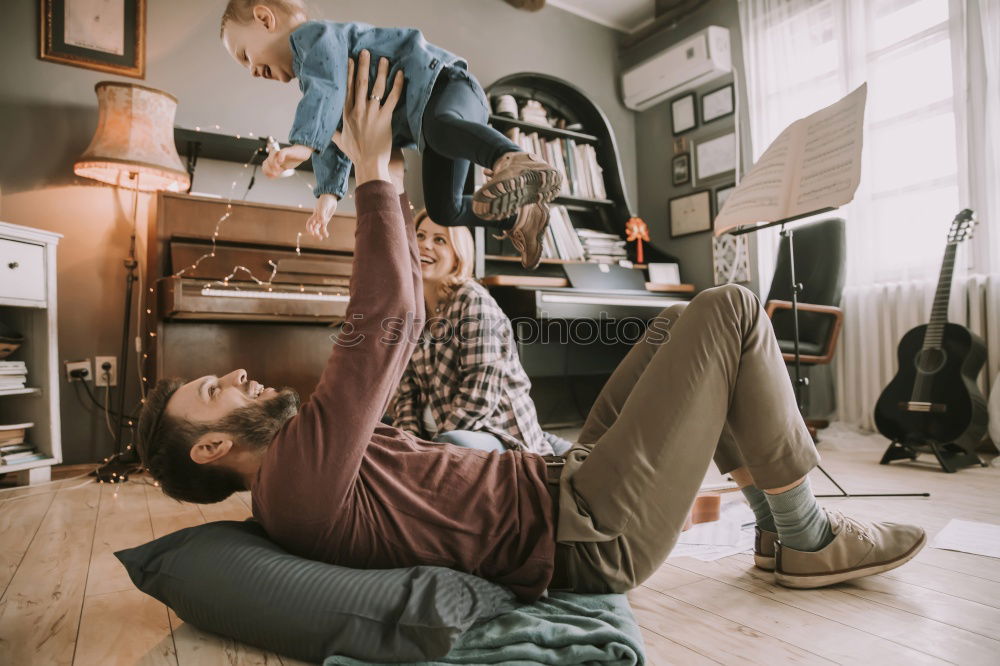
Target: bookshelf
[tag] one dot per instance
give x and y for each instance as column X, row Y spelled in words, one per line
column 607, row 214
column 28, row 305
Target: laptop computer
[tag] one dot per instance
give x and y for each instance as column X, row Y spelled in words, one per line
column 604, row 277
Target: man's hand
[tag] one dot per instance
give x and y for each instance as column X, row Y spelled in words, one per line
column 316, row 225
column 286, row 158
column 366, row 136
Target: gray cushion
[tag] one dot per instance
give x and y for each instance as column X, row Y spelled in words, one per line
column 229, row 578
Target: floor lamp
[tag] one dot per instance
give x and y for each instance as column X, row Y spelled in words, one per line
column 133, row 148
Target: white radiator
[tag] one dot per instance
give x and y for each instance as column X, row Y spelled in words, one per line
column 877, row 316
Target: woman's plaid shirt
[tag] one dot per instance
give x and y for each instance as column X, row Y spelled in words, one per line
column 466, row 370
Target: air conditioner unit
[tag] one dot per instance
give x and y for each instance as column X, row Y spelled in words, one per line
column 698, row 59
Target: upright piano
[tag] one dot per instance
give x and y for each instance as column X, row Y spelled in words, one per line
column 262, row 297
column 209, row 316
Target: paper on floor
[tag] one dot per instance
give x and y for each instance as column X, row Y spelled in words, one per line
column 967, row 536
column 732, row 534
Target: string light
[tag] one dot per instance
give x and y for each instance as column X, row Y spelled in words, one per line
column 217, row 232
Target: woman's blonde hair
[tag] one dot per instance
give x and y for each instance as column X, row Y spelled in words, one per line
column 241, row 11
column 464, row 248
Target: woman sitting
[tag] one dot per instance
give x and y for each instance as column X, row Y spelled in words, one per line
column 464, row 384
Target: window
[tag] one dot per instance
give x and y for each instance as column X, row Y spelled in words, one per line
column 806, row 54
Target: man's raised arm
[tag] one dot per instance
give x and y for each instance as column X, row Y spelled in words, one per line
column 385, row 312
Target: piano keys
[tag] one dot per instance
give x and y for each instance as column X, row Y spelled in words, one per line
column 566, row 332
column 568, row 303
column 193, row 299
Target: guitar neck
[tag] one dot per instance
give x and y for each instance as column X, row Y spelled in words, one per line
column 939, row 313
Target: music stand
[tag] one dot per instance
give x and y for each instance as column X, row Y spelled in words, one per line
column 800, row 381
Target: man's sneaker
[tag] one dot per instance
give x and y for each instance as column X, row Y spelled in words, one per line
column 858, row 549
column 528, row 232
column 517, row 179
column 763, row 549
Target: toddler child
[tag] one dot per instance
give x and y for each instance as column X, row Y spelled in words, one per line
column 443, row 111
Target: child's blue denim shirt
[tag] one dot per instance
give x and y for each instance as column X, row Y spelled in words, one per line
column 320, row 52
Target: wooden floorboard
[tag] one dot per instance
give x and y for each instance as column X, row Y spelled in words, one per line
column 65, row 599
column 906, row 629
column 40, row 610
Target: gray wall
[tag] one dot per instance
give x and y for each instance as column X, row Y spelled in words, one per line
column 655, row 150
column 48, row 114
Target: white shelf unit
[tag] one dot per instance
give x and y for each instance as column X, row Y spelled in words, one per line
column 28, row 305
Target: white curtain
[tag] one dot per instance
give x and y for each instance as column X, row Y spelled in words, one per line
column 975, row 36
column 793, row 67
column 931, row 69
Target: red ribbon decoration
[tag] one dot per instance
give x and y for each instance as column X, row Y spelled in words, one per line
column 637, row 230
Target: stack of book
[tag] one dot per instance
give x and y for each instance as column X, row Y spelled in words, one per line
column 534, row 112
column 561, row 240
column 14, row 450
column 13, row 375
column 602, row 247
column 582, row 175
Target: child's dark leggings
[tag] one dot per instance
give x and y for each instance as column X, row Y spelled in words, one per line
column 456, row 133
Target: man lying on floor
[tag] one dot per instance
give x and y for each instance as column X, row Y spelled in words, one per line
column 330, row 483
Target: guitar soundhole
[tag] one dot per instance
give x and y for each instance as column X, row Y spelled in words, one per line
column 929, row 361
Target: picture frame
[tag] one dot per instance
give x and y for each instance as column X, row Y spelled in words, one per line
column 690, row 213
column 683, row 115
column 718, row 103
column 715, row 157
column 104, row 35
column 721, row 194
column 681, row 171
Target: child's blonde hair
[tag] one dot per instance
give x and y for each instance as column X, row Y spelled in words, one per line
column 241, row 11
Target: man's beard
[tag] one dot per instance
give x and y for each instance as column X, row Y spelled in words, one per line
column 256, row 425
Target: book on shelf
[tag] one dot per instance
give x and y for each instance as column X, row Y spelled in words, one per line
column 23, row 457
column 561, row 241
column 582, row 174
column 20, row 447
column 601, row 246
column 13, row 368
column 13, row 448
column 12, row 382
column 13, row 434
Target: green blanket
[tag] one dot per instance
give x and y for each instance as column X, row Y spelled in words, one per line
column 560, row 630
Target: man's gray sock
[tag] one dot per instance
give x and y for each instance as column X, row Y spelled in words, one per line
column 801, row 523
column 761, row 509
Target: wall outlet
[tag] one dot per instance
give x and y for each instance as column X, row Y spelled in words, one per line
column 100, row 379
column 78, row 365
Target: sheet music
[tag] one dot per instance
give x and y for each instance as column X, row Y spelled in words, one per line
column 814, row 163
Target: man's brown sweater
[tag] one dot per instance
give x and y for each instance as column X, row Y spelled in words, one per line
column 337, row 486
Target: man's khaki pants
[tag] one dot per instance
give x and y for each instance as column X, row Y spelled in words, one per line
column 706, row 383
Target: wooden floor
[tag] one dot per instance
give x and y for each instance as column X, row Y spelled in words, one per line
column 66, row 600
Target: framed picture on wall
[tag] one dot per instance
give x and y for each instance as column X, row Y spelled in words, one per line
column 691, row 213
column 682, row 169
column 683, row 116
column 106, row 35
column 715, row 157
column 717, row 104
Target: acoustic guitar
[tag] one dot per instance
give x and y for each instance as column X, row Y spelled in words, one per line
column 933, row 403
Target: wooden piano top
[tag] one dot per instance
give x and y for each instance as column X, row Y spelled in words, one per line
column 185, row 216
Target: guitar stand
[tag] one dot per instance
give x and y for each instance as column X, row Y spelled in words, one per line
column 949, row 457
column 801, row 381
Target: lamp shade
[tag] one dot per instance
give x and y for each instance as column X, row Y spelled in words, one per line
column 133, row 146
